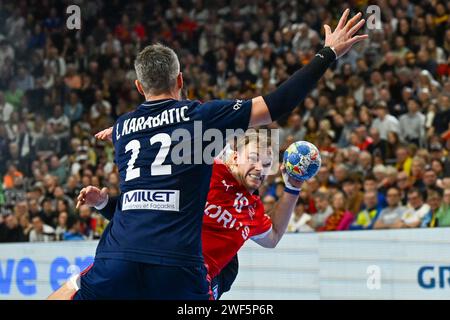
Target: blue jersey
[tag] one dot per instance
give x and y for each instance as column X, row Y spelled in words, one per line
column 158, row 218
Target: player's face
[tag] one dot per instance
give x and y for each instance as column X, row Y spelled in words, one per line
column 253, row 165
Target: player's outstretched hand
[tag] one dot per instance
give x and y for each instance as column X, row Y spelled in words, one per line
column 105, row 134
column 92, row 196
column 342, row 38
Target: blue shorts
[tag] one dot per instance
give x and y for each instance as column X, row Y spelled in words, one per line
column 121, row 279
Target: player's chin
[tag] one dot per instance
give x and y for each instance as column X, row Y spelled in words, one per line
column 253, row 183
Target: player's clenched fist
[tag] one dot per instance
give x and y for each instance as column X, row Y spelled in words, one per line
column 342, row 38
column 92, row 196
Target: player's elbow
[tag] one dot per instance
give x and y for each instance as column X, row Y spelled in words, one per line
column 274, row 240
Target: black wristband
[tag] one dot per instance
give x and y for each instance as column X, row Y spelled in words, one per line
column 291, row 92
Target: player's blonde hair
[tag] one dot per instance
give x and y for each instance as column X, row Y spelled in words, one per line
column 260, row 137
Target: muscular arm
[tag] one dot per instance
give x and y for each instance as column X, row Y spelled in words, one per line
column 280, row 220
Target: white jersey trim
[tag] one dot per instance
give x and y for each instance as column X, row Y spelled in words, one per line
column 262, row 235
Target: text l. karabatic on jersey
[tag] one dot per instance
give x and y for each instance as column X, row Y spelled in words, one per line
column 158, row 219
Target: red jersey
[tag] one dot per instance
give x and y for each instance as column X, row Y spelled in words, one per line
column 232, row 215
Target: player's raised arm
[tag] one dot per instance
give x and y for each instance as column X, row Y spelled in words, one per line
column 286, row 97
column 282, row 212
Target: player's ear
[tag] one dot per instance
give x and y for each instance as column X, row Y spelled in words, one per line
column 180, row 81
column 139, row 87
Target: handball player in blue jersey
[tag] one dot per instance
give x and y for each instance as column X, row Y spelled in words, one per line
column 153, row 249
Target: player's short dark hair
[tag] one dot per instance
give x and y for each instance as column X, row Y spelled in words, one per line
column 157, row 68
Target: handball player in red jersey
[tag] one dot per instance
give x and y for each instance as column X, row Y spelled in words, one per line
column 233, row 212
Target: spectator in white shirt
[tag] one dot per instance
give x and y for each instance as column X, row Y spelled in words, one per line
column 392, row 213
column 99, row 104
column 417, row 210
column 41, row 232
column 384, row 121
column 412, row 124
column 324, row 210
column 6, row 108
column 60, row 123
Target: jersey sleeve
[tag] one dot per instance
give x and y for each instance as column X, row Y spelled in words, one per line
column 110, row 208
column 226, row 114
column 264, row 227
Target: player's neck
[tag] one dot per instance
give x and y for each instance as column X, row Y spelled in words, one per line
column 162, row 97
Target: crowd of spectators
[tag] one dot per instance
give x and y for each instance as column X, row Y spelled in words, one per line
column 380, row 116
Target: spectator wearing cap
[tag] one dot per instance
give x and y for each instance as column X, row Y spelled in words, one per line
column 384, row 121
column 366, row 218
column 412, row 124
column 416, row 212
column 341, row 218
column 392, row 213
